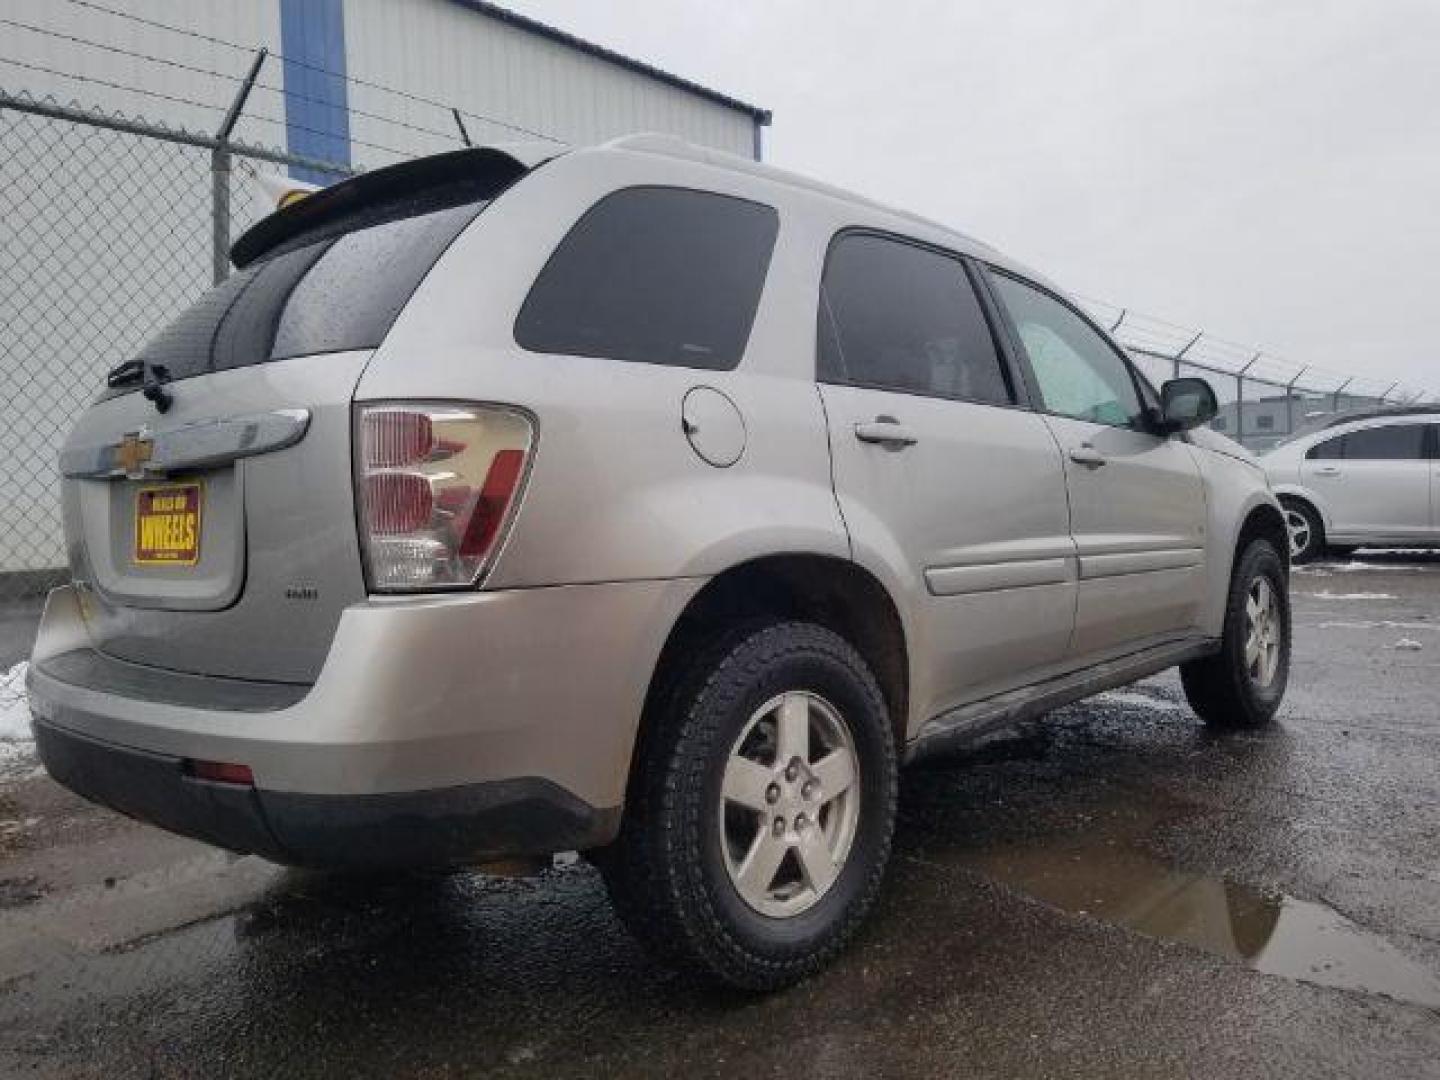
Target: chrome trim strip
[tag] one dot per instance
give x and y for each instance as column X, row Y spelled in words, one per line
column 197, row 445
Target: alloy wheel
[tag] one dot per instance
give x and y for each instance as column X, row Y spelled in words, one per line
column 1298, row 525
column 789, row 804
column 1262, row 632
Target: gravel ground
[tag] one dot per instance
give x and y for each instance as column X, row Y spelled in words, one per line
column 1112, row 892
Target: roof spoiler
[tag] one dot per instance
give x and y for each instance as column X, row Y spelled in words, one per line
column 396, row 191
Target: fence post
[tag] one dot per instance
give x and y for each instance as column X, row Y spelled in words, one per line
column 220, row 175
column 1335, row 397
column 1188, row 345
column 460, row 123
column 1240, row 399
column 1290, row 400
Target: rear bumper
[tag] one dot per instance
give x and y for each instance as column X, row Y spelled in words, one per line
column 451, row 826
column 448, row 729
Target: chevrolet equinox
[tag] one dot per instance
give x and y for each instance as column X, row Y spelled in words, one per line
column 638, row 500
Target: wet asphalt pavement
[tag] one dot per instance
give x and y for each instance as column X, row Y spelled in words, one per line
column 1111, row 892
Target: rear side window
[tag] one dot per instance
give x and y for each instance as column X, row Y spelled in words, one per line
column 1398, row 442
column 896, row 316
column 655, row 275
column 331, row 295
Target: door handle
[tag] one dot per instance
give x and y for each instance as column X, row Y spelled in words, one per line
column 886, row 431
column 1328, row 470
column 1087, row 455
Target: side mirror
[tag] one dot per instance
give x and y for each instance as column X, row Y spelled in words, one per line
column 1186, row 404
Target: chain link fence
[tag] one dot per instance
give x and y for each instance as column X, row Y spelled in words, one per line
column 109, row 227
column 1263, row 398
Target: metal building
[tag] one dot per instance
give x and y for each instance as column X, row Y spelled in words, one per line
column 359, row 81
column 118, row 197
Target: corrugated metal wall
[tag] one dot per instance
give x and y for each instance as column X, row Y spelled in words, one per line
column 66, row 57
column 438, row 50
column 443, row 50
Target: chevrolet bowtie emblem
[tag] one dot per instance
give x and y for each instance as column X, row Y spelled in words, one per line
column 132, row 453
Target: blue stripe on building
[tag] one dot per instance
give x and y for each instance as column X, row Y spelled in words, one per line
column 317, row 112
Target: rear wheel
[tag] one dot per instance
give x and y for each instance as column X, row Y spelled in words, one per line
column 759, row 826
column 1241, row 686
column 1307, row 532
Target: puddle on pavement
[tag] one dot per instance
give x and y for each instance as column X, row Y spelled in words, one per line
column 1271, row 933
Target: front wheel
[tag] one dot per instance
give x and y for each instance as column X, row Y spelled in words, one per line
column 1306, row 530
column 1241, row 686
column 760, row 823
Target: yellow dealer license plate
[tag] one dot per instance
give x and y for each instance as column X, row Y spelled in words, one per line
column 167, row 525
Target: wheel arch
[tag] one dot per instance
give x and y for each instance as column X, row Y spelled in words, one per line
column 835, row 593
column 1264, row 520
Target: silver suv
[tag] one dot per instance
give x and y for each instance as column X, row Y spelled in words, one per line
column 640, row 500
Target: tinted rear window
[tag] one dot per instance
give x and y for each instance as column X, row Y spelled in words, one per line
column 896, row 316
column 656, row 275
column 329, row 296
column 1398, row 442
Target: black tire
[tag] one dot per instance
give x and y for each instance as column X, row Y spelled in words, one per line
column 1222, row 688
column 667, row 873
column 1313, row 546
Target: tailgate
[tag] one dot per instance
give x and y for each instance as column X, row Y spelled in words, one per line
column 231, row 549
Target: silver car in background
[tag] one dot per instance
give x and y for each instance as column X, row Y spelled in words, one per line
column 639, row 500
column 1360, row 479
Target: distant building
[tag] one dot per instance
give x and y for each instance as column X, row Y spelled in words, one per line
column 1261, row 423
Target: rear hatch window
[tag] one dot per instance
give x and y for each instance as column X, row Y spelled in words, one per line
column 327, row 296
column 331, row 273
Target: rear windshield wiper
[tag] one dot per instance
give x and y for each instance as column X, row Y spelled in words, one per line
column 152, row 377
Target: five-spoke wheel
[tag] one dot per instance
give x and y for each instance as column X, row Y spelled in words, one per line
column 1263, row 635
column 790, row 802
column 1306, row 531
column 1241, row 684
column 758, row 827
column 1301, row 533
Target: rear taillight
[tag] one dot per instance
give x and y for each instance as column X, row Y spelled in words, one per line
column 437, row 484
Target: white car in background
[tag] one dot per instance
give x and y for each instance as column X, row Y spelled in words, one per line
column 1360, row 479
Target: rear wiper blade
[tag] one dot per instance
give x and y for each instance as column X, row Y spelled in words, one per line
column 131, row 371
column 153, row 376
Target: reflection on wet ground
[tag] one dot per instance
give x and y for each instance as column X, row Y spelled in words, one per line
column 1107, row 877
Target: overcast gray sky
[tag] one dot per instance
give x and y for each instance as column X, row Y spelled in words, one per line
column 1267, row 169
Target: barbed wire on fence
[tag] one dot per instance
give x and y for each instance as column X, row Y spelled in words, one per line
column 305, row 65
column 1193, row 347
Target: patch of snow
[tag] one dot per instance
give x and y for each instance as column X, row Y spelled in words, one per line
column 1326, row 594
column 1355, row 566
column 1375, row 624
column 17, row 745
column 1137, row 700
column 1408, row 643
